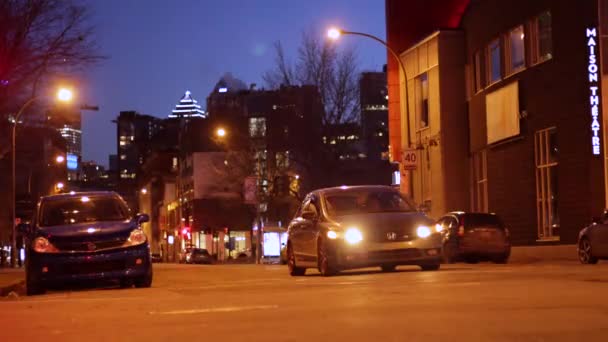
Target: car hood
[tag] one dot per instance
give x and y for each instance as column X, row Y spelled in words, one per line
column 89, row 230
column 405, row 222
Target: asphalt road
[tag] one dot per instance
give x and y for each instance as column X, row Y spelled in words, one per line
column 484, row 302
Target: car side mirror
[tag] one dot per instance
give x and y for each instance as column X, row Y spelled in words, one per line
column 142, row 218
column 23, row 228
column 309, row 215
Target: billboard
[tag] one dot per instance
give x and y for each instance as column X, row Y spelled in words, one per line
column 72, row 161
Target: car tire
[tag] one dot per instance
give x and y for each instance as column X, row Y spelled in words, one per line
column 501, row 259
column 324, row 261
column 294, row 271
column 33, row 287
column 585, row 254
column 430, row 267
column 144, row 281
column 389, row 268
column 449, row 252
column 126, row 283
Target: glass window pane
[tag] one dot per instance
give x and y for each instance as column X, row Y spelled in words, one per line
column 424, row 105
column 545, row 45
column 494, row 51
column 516, row 43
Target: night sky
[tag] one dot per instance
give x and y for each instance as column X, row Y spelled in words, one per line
column 159, row 49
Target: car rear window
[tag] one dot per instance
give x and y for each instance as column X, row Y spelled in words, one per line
column 482, row 220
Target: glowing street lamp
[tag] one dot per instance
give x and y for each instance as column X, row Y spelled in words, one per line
column 220, row 132
column 65, row 95
column 144, row 191
column 59, row 159
column 334, row 33
column 59, row 186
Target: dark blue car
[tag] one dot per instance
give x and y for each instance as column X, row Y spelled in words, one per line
column 85, row 236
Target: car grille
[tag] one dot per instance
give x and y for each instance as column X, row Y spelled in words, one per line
column 394, row 254
column 90, row 267
column 88, row 246
column 390, row 235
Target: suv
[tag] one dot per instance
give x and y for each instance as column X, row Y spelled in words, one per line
column 473, row 237
column 85, row 236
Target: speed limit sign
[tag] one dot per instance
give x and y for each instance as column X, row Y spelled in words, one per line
column 410, row 159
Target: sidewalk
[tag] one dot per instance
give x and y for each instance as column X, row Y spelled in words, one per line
column 533, row 254
column 9, row 279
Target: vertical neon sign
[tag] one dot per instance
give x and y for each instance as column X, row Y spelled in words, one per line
column 594, row 98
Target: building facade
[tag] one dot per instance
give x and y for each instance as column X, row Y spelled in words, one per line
column 519, row 109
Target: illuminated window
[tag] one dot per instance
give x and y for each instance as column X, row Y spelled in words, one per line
column 494, row 61
column 546, row 158
column 423, row 107
column 257, row 127
column 123, row 157
column 282, row 159
column 123, row 143
column 516, row 55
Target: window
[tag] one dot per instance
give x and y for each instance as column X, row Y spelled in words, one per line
column 282, row 160
column 517, row 53
column 257, row 127
column 546, row 158
column 494, row 60
column 478, row 72
column 479, row 182
column 423, row 112
column 541, row 40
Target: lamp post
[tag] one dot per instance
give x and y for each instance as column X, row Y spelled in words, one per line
column 63, row 95
column 335, row 33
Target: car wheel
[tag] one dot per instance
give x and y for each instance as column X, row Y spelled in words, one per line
column 430, row 267
column 449, row 253
column 585, row 255
column 501, row 259
column 33, row 287
column 294, row 271
column 388, row 268
column 144, row 281
column 126, row 283
column 325, row 264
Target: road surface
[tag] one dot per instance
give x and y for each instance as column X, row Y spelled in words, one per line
column 484, row 302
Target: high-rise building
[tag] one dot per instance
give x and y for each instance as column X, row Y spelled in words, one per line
column 374, row 113
column 134, row 136
column 188, row 107
column 68, row 123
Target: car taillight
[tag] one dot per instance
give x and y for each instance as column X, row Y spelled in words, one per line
column 461, row 231
column 43, row 245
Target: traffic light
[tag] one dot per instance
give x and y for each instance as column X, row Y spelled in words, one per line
column 186, row 233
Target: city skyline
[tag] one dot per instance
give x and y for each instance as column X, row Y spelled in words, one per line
column 151, row 75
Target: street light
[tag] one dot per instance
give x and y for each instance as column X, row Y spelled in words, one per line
column 63, row 95
column 59, row 159
column 335, row 33
column 220, row 132
column 60, row 186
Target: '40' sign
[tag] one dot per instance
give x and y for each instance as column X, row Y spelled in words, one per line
column 410, row 159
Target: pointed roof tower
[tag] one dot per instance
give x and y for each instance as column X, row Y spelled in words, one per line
column 188, row 107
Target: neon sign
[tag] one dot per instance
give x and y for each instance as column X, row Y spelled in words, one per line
column 594, row 98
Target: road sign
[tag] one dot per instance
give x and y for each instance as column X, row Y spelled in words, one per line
column 409, row 159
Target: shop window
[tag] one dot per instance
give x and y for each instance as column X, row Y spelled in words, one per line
column 541, row 38
column 516, row 50
column 547, row 195
column 479, row 182
column 494, row 61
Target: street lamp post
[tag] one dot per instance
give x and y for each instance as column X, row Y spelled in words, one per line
column 63, row 95
column 335, row 33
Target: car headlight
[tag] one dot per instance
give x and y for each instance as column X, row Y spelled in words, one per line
column 332, row 235
column 423, row 231
column 43, row 245
column 137, row 237
column 353, row 236
column 438, row 228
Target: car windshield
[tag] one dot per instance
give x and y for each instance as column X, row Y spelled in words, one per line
column 357, row 201
column 79, row 209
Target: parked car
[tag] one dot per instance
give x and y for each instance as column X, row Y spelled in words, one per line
column 473, row 237
column 184, row 255
column 593, row 240
column 85, row 236
column 360, row 226
column 199, row 256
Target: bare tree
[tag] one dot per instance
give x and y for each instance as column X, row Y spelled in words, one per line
column 39, row 38
column 319, row 63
